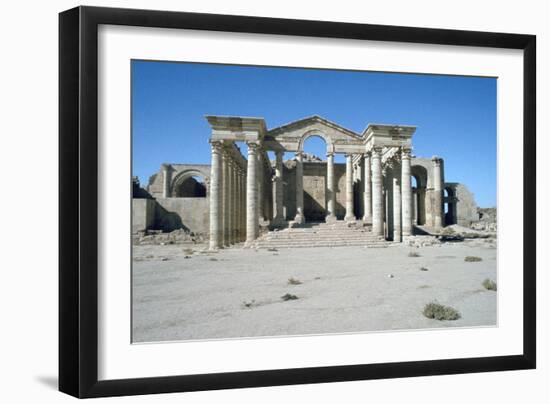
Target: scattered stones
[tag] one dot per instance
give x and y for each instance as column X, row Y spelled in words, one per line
column 212, row 259
column 390, row 275
column 413, row 254
column 471, row 258
column 294, row 281
column 424, row 269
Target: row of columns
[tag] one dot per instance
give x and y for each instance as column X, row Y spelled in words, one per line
column 227, row 198
column 235, row 212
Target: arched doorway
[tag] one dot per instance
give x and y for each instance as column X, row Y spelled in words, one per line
column 190, row 184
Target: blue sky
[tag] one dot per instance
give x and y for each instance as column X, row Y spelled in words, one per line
column 455, row 116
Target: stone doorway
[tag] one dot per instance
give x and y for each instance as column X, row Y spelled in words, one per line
column 314, row 196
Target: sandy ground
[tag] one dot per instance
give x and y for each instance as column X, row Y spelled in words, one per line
column 237, row 292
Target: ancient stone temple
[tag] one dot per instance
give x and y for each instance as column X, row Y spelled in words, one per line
column 382, row 189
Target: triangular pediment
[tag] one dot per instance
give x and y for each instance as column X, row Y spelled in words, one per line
column 313, row 123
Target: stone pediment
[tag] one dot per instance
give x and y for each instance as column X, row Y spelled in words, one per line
column 292, row 135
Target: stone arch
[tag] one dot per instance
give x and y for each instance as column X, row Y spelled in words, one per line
column 185, row 175
column 312, row 133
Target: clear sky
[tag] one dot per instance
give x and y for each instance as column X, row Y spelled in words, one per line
column 455, row 116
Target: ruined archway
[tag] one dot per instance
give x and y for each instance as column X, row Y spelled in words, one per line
column 190, row 184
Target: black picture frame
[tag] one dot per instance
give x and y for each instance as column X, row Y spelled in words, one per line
column 78, row 206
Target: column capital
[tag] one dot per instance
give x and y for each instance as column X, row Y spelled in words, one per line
column 330, row 154
column 253, row 146
column 216, row 145
column 376, row 152
column 406, row 152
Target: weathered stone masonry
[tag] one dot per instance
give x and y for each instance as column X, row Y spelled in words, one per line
column 241, row 195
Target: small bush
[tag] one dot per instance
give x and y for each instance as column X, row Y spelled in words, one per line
column 471, row 258
column 212, row 259
column 439, row 312
column 294, row 281
column 414, row 254
column 489, row 284
column 272, row 249
column 288, row 296
column 424, row 269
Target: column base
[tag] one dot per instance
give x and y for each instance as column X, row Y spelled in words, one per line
column 331, row 219
column 349, row 218
column 299, row 219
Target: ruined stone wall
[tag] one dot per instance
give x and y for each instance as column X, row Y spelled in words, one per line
column 188, row 213
column 466, row 212
column 143, row 214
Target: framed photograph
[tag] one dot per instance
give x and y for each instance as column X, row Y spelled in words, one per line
column 251, row 202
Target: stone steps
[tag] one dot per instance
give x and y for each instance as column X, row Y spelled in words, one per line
column 338, row 234
column 310, row 244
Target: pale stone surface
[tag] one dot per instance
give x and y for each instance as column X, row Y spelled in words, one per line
column 367, row 189
column 252, row 221
column 216, row 197
column 299, row 218
column 204, row 296
column 406, row 193
column 349, row 189
column 438, row 193
column 377, row 198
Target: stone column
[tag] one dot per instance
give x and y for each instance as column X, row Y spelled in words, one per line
column 261, row 187
column 397, row 204
column 349, row 189
column 377, row 197
column 406, row 192
column 237, row 204
column 438, row 193
column 226, row 199
column 367, row 191
column 166, row 180
column 299, row 218
column 331, row 189
column 243, row 204
column 234, row 204
column 278, row 211
column 230, row 206
column 215, row 196
column 252, row 222
column 415, row 206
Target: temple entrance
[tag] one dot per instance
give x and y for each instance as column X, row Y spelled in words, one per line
column 314, row 193
column 314, row 179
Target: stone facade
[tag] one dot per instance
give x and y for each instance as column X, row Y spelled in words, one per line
column 234, row 197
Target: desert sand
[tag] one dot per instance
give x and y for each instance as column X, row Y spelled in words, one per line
column 187, row 293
